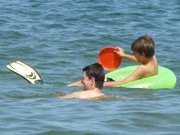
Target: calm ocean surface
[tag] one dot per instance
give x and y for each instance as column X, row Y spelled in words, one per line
column 58, row 38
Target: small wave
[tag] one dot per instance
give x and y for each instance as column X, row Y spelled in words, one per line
column 20, row 95
column 110, row 98
column 64, row 132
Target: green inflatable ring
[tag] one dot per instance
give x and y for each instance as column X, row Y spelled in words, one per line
column 164, row 79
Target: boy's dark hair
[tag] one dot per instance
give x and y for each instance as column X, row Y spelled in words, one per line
column 144, row 46
column 97, row 72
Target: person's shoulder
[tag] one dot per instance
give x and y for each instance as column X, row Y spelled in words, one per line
column 142, row 67
column 72, row 95
column 141, row 70
column 91, row 94
column 83, row 95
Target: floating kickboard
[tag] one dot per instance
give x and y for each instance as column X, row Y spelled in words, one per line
column 25, row 71
column 164, row 79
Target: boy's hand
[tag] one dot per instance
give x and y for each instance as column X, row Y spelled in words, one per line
column 120, row 51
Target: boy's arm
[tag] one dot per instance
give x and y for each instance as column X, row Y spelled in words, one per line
column 138, row 73
column 75, row 84
column 130, row 57
column 125, row 55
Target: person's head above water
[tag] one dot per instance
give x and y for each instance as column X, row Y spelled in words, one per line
column 144, row 46
column 92, row 81
column 95, row 73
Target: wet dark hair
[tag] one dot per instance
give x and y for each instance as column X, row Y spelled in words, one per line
column 97, row 72
column 144, row 46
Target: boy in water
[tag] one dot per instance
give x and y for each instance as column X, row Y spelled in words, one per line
column 144, row 54
column 92, row 82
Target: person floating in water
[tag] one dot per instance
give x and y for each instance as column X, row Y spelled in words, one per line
column 143, row 49
column 92, row 82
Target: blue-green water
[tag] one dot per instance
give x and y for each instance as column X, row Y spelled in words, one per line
column 58, row 38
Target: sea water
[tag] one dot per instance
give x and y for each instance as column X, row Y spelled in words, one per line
column 60, row 37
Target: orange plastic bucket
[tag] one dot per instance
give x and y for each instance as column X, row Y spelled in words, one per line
column 109, row 59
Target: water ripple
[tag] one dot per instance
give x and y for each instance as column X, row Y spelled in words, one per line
column 58, row 38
